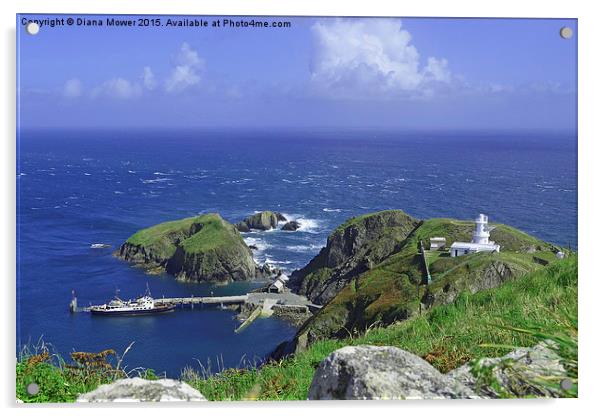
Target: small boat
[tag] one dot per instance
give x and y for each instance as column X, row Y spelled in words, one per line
column 144, row 305
column 100, row 245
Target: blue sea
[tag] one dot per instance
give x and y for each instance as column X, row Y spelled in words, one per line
column 77, row 188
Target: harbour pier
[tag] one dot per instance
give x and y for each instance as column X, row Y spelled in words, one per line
column 260, row 303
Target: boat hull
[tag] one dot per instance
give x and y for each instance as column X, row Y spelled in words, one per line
column 154, row 311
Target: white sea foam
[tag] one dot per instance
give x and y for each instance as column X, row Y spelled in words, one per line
column 85, row 173
column 269, row 260
column 195, row 177
column 332, row 209
column 257, row 242
column 310, row 248
column 307, row 225
column 131, row 171
column 161, row 174
column 159, row 180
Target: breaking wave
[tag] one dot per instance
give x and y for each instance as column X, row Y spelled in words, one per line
column 310, row 248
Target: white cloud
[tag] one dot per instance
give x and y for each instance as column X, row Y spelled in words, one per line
column 187, row 71
column 117, row 88
column 436, row 69
column 371, row 57
column 148, row 78
column 73, row 88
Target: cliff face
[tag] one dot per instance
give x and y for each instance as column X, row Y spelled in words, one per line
column 204, row 248
column 353, row 248
column 371, row 273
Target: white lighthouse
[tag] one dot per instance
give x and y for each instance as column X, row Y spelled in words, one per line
column 482, row 229
column 480, row 239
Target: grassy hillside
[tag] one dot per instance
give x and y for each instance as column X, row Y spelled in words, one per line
column 447, row 336
column 393, row 289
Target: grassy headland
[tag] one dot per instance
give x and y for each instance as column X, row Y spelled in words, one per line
column 447, row 335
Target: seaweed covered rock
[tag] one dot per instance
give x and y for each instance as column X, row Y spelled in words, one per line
column 263, row 221
column 203, row 248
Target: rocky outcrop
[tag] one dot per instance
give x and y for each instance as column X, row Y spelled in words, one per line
column 352, row 249
column 487, row 276
column 141, row 390
column 368, row 372
column 263, row 221
column 204, row 248
column 291, row 226
column 372, row 372
column 535, row 371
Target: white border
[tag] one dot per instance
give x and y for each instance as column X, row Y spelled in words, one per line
column 590, row 34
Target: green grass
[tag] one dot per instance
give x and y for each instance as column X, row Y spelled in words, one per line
column 474, row 326
column 360, row 218
column 194, row 234
column 215, row 233
column 60, row 381
column 156, row 233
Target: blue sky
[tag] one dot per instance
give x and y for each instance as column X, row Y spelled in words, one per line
column 393, row 73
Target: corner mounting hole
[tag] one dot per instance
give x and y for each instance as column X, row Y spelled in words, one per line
column 32, row 28
column 566, row 32
column 566, row 384
column 33, row 389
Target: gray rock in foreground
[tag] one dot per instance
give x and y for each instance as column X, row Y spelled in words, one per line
column 140, row 390
column 370, row 372
column 516, row 373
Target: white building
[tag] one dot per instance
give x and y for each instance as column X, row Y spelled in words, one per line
column 437, row 243
column 480, row 240
column 279, row 284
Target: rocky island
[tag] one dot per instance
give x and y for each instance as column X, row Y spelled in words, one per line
column 203, row 248
column 263, row 221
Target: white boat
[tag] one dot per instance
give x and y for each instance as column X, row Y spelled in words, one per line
column 144, row 305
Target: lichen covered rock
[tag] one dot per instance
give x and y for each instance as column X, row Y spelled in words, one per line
column 141, row 390
column 535, row 371
column 381, row 373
